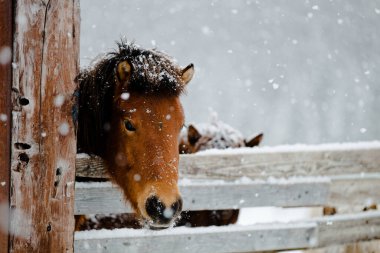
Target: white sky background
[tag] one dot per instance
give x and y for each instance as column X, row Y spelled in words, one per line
column 299, row 71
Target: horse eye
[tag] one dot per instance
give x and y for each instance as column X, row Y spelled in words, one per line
column 128, row 125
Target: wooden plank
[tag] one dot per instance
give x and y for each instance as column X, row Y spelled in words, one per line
column 358, row 190
column 348, row 228
column 6, row 21
column 207, row 239
column 97, row 198
column 43, row 136
column 278, row 236
column 261, row 163
column 372, row 246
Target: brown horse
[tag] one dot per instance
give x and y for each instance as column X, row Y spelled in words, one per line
column 214, row 135
column 130, row 115
column 194, row 138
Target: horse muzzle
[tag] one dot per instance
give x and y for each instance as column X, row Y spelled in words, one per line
column 162, row 215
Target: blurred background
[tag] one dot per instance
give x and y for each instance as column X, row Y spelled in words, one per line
column 299, row 71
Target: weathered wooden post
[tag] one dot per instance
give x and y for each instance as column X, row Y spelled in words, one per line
column 5, row 116
column 43, row 146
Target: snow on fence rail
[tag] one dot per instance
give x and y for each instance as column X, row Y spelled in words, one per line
column 339, row 174
column 318, row 232
column 265, row 162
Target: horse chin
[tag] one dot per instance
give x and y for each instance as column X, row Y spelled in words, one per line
column 149, row 224
column 159, row 226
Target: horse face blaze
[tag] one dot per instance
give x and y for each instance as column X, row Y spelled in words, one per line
column 145, row 163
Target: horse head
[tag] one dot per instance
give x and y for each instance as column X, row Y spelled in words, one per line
column 130, row 114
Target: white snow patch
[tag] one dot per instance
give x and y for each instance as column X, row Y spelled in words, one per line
column 377, row 11
column 83, row 155
column 3, row 117
column 206, row 30
column 87, row 185
column 340, row 21
column 22, row 225
column 260, row 215
column 59, row 100
column 124, row 95
column 315, row 7
column 275, row 86
column 3, row 183
column 5, row 55
column 168, row 117
column 363, row 130
column 294, row 148
column 64, row 129
column 130, row 232
column 137, row 177
column 21, row 20
column 168, row 213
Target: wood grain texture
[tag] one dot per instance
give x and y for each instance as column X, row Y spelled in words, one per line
column 97, row 198
column 278, row 236
column 43, row 137
column 260, row 164
column 6, row 20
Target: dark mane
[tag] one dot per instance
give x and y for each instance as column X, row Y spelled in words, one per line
column 152, row 72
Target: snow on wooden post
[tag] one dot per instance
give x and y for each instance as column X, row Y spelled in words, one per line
column 5, row 115
column 43, row 146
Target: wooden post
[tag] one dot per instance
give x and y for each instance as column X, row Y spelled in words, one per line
column 6, row 18
column 43, row 146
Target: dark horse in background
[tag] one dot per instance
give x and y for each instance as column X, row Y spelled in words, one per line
column 130, row 115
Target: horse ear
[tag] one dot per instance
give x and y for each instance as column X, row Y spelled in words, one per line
column 255, row 141
column 193, row 135
column 124, row 71
column 187, row 73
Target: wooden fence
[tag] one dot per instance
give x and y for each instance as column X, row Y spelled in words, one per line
column 335, row 175
column 37, row 136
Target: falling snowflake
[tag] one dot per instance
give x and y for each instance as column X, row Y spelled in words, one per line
column 124, row 95
column 59, row 100
column 3, row 117
column 5, row 55
column 64, row 129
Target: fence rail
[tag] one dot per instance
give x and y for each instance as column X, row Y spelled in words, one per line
column 338, row 175
column 263, row 163
column 312, row 233
column 211, row 194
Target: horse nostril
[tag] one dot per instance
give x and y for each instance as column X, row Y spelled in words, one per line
column 177, row 206
column 154, row 207
column 159, row 212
